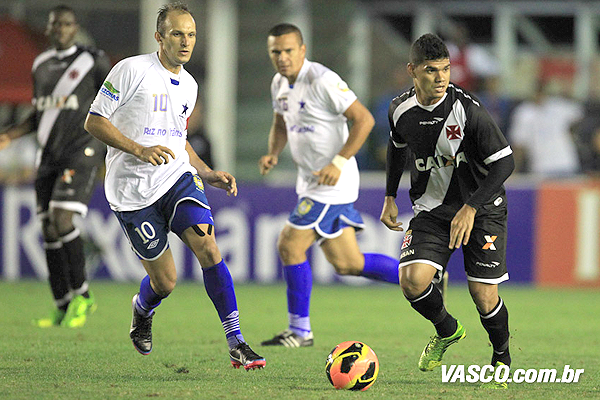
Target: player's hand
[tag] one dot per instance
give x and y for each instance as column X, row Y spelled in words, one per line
column 4, row 141
column 156, row 155
column 329, row 175
column 461, row 226
column 390, row 213
column 266, row 163
column 222, row 180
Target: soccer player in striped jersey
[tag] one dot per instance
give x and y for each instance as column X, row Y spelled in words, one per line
column 459, row 160
column 155, row 181
column 66, row 79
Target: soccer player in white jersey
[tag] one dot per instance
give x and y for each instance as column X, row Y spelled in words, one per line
column 312, row 106
column 459, row 160
column 154, row 179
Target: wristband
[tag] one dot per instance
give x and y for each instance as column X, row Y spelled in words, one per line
column 339, row 161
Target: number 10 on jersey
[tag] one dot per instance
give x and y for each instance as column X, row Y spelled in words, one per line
column 160, row 102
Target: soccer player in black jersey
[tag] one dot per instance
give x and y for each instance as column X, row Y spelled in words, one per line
column 459, row 161
column 66, row 79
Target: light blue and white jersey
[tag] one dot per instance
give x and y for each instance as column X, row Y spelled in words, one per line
column 151, row 106
column 313, row 110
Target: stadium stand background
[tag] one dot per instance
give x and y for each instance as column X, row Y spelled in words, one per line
column 364, row 42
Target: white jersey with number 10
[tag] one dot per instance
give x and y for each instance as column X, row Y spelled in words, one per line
column 151, row 106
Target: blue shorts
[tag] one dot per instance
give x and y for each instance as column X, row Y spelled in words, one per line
column 184, row 205
column 327, row 220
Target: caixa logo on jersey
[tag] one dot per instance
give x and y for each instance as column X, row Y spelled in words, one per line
column 425, row 164
column 61, row 102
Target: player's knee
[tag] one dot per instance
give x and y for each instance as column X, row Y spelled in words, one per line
column 63, row 227
column 62, row 221
column 49, row 230
column 347, row 267
column 286, row 249
column 412, row 287
column 485, row 300
column 209, row 254
column 164, row 285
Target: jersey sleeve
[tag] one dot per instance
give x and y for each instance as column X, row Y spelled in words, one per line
column 334, row 92
column 274, row 89
column 395, row 138
column 117, row 89
column 490, row 143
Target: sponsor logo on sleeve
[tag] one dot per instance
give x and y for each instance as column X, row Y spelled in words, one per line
column 343, row 86
column 110, row 91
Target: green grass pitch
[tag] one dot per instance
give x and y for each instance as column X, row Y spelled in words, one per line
column 549, row 327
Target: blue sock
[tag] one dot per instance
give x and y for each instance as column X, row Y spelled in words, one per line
column 381, row 268
column 219, row 286
column 299, row 287
column 147, row 299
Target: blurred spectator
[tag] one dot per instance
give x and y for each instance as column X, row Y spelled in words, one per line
column 540, row 134
column 587, row 138
column 470, row 62
column 498, row 105
column 372, row 156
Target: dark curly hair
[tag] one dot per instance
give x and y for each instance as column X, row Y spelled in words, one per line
column 427, row 48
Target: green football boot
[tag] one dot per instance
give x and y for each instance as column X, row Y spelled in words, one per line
column 437, row 346
column 55, row 318
column 78, row 310
column 91, row 303
column 493, row 384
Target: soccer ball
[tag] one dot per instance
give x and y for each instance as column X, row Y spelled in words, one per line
column 352, row 365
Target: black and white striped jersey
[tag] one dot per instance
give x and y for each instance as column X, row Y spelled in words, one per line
column 65, row 84
column 451, row 143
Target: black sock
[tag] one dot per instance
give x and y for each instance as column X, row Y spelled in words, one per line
column 59, row 284
column 430, row 305
column 73, row 246
column 496, row 324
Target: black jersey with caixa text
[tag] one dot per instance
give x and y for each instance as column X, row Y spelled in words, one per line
column 65, row 84
column 451, row 144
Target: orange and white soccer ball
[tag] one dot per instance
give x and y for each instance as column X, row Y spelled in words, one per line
column 352, row 365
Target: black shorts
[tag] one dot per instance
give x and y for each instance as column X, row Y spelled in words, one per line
column 427, row 238
column 70, row 185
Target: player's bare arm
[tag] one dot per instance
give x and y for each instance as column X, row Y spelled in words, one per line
column 461, row 226
column 220, row 179
column 389, row 214
column 103, row 130
column 17, row 131
column 361, row 122
column 277, row 141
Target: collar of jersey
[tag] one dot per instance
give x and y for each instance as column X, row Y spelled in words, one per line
column 60, row 54
column 301, row 73
column 432, row 106
column 175, row 77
